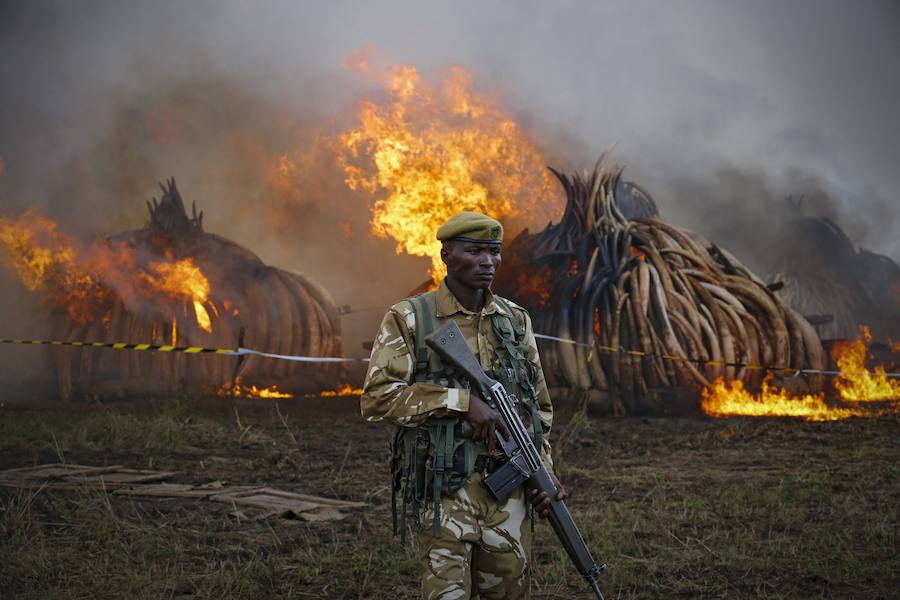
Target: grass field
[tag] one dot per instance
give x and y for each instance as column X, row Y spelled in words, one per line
column 689, row 508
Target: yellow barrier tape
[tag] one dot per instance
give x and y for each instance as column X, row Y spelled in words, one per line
column 333, row 359
column 124, row 346
column 184, row 349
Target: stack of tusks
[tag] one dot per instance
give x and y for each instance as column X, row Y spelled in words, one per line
column 649, row 286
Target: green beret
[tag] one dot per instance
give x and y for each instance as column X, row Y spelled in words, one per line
column 471, row 227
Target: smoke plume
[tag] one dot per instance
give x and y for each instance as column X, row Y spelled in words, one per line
column 731, row 115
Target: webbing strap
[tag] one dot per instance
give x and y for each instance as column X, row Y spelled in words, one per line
column 470, row 454
column 511, row 335
column 513, row 321
column 395, row 518
column 407, row 472
column 536, row 423
column 427, row 302
column 423, row 307
column 437, row 442
column 449, row 439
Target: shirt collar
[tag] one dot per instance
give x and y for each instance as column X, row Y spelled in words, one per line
column 447, row 304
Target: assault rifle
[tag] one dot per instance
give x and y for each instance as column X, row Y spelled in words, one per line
column 524, row 462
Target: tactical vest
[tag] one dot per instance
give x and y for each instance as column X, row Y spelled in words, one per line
column 434, row 459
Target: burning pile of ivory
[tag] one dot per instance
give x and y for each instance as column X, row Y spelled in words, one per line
column 172, row 283
column 839, row 286
column 645, row 285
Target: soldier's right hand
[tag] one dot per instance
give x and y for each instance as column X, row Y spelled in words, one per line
column 485, row 422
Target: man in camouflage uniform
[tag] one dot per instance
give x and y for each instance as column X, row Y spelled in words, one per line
column 483, row 546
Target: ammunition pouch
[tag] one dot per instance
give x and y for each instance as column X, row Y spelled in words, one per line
column 427, row 463
column 434, row 460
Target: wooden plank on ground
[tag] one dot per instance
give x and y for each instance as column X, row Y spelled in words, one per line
column 176, row 490
column 55, row 471
column 316, row 499
column 123, row 476
column 58, row 476
column 61, row 485
column 277, row 498
column 123, row 481
column 267, row 501
column 325, row 513
column 164, row 490
column 304, row 506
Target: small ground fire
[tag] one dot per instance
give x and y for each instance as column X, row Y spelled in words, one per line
column 855, row 386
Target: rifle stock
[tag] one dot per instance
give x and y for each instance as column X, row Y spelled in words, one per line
column 450, row 344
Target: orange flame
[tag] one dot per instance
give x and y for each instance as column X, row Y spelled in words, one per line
column 82, row 282
column 430, row 151
column 855, row 384
column 343, row 390
column 534, row 285
column 724, row 401
column 858, row 384
column 46, row 261
column 185, row 279
column 237, row 390
column 635, row 252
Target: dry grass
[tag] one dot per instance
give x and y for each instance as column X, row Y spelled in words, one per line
column 678, row 508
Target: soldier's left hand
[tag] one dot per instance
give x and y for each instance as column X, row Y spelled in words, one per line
column 541, row 500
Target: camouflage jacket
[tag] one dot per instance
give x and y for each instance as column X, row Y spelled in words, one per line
column 391, row 393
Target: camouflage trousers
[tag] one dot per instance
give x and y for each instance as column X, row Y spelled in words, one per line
column 484, row 548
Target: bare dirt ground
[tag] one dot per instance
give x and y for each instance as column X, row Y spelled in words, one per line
column 688, row 507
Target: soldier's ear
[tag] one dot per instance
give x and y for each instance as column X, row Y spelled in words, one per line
column 445, row 253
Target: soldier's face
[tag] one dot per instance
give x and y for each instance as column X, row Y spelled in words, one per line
column 471, row 264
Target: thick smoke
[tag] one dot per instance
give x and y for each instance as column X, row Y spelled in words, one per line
column 720, row 110
column 752, row 212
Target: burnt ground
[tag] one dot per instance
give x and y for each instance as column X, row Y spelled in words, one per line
column 689, row 508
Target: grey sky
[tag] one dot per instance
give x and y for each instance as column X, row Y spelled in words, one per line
column 681, row 89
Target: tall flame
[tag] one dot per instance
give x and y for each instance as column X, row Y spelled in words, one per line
column 856, row 382
column 185, row 279
column 47, row 262
column 429, row 151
